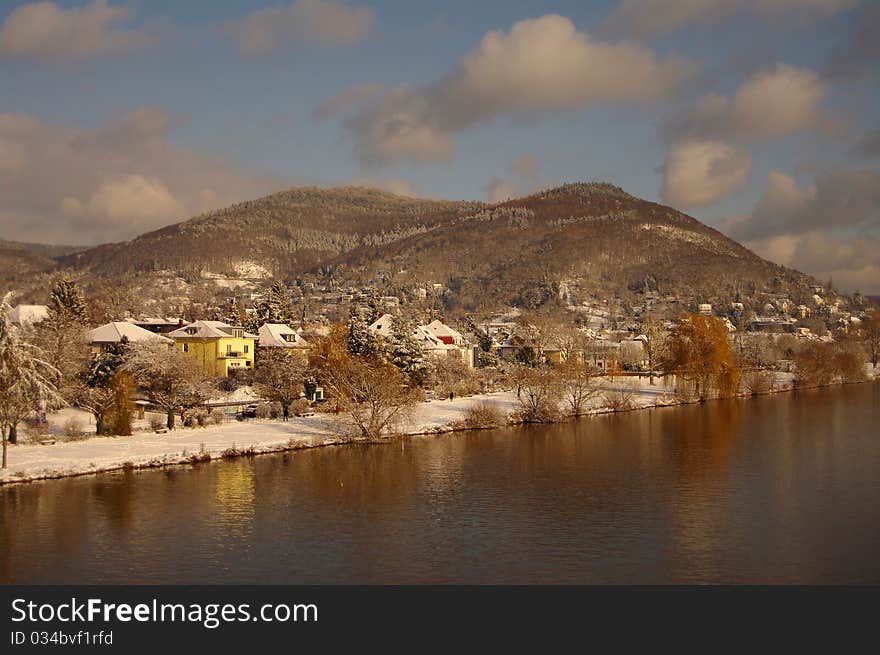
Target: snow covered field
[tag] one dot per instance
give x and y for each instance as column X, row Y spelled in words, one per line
column 146, row 448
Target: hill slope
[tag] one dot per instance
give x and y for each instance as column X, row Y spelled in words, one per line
column 583, row 236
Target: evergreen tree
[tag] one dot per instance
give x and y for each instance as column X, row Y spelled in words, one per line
column 276, row 307
column 406, row 353
column 374, row 306
column 358, row 335
column 67, row 305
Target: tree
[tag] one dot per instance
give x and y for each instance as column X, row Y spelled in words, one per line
column 98, row 392
column 25, row 377
column 171, row 379
column 537, row 389
column 374, row 394
column 63, row 330
column 405, row 351
column 279, row 375
column 699, row 351
column 578, row 382
column 360, row 340
column 654, row 344
column 871, row 335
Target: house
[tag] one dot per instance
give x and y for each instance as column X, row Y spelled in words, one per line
column 435, row 340
column 278, row 335
column 158, row 325
column 219, row 348
column 113, row 333
column 705, row 309
column 25, row 315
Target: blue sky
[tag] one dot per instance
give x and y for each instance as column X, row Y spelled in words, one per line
column 754, row 116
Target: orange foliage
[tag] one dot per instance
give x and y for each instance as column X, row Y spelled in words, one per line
column 699, row 351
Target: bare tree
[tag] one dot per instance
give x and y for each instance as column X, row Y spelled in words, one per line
column 537, row 390
column 279, row 375
column 578, row 382
column 654, row 344
column 871, row 334
column 25, row 378
column 374, row 395
column 699, row 351
column 170, row 378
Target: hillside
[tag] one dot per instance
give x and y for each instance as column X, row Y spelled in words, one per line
column 584, row 238
column 20, row 262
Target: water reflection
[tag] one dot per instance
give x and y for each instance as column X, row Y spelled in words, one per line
column 770, row 489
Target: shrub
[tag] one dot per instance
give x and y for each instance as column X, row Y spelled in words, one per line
column 157, row 422
column 275, row 410
column 300, row 406
column 264, row 410
column 484, row 414
column 189, row 421
column 217, row 417
column 619, row 400
column 73, row 429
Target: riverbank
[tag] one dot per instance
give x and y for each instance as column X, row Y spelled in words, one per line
column 146, row 449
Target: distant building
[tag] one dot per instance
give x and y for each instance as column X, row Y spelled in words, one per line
column 25, row 315
column 113, row 333
column 705, row 309
column 278, row 335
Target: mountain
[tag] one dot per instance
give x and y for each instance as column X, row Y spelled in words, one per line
column 575, row 239
column 20, row 262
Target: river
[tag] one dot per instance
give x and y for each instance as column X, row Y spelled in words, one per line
column 776, row 489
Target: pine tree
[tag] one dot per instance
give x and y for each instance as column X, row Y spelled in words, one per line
column 358, row 334
column 374, row 306
column 25, row 378
column 67, row 305
column 406, row 353
column 279, row 305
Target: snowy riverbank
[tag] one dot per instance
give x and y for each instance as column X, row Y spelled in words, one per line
column 145, row 449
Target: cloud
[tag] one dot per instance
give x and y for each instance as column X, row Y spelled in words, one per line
column 853, row 263
column 390, row 184
column 771, row 103
column 525, row 166
column 46, row 31
column 869, row 144
column 347, row 99
column 645, row 18
column 840, row 198
column 540, row 65
column 322, row 22
column 698, row 173
column 84, row 186
column 497, row 190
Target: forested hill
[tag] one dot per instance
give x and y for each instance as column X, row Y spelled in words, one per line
column 578, row 236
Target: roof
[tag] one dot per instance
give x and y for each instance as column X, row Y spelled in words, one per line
column 279, row 335
column 440, row 329
column 208, row 330
column 28, row 314
column 115, row 331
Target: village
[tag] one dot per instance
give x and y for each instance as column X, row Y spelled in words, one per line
column 389, row 366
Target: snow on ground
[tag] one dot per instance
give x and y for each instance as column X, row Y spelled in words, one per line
column 146, row 448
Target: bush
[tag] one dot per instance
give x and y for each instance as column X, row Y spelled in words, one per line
column 202, row 419
column 73, row 429
column 757, row 382
column 157, row 422
column 300, row 406
column 189, row 421
column 619, row 400
column 264, row 410
column 484, row 414
column 275, row 410
column 217, row 417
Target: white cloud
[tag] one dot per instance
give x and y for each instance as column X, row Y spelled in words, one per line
column 540, row 65
column 347, row 99
column 497, row 190
column 44, row 30
column 527, row 167
column 656, row 17
column 324, row 22
column 698, row 173
column 771, row 103
column 85, row 186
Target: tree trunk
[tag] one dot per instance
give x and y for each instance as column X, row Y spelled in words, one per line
column 170, row 421
column 13, row 434
column 3, row 430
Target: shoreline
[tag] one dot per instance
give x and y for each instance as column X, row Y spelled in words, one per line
column 148, row 450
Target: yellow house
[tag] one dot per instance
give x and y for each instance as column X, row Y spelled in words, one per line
column 218, row 347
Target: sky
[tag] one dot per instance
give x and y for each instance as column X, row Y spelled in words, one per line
column 758, row 117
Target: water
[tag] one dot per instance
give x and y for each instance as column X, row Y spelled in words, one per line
column 781, row 489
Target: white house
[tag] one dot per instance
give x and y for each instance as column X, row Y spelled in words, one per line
column 436, row 338
column 279, row 335
column 28, row 314
column 113, row 333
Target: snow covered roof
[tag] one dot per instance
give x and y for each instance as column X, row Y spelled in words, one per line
column 113, row 333
column 279, row 335
column 384, row 325
column 28, row 314
column 209, row 330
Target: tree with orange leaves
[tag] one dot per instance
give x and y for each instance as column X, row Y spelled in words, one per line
column 699, row 351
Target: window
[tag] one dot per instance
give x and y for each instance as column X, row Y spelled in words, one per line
column 228, row 348
column 247, row 349
column 186, row 347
